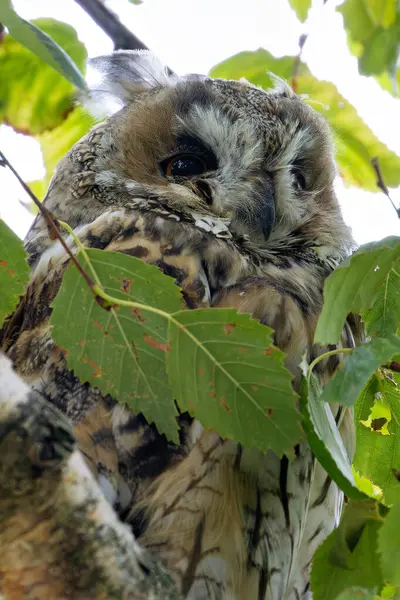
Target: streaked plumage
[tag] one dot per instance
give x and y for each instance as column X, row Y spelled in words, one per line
column 259, row 230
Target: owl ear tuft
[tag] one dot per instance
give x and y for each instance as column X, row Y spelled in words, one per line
column 280, row 86
column 114, row 80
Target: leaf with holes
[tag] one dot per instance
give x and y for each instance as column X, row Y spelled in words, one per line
column 14, row 270
column 120, row 351
column 355, row 286
column 376, row 454
column 225, row 371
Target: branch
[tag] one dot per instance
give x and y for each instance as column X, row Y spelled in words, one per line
column 108, row 21
column 58, row 534
column 51, row 221
column 381, row 184
column 297, row 62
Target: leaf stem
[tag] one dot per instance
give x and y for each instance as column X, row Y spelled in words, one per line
column 326, row 355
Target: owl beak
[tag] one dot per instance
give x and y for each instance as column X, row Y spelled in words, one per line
column 267, row 210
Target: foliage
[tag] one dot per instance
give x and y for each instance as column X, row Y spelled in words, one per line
column 373, row 29
column 221, row 366
column 32, row 36
column 201, row 350
column 377, row 415
column 301, row 7
column 350, row 553
column 356, row 287
column 14, row 270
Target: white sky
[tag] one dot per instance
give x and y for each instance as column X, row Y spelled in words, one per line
column 194, row 35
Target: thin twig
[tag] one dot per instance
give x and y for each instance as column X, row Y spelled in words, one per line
column 297, row 62
column 108, row 21
column 51, row 221
column 381, row 184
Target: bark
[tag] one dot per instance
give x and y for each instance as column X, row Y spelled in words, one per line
column 59, row 537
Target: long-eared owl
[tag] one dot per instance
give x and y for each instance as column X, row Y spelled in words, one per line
column 229, row 189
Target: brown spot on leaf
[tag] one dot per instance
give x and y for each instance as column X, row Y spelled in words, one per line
column 242, row 350
column 229, row 327
column 138, row 315
column 213, row 394
column 164, row 347
column 97, row 370
column 268, row 351
column 201, row 372
column 224, row 404
column 3, row 263
column 11, row 272
column 126, row 285
column 254, row 388
column 191, row 407
column 269, row 412
column 135, row 352
column 83, row 343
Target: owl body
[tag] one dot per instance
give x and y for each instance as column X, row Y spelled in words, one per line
column 228, row 189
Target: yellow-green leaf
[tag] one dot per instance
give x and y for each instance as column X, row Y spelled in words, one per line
column 301, row 7
column 33, row 96
column 376, row 454
column 40, row 43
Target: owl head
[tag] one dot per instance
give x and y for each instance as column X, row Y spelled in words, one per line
column 260, row 162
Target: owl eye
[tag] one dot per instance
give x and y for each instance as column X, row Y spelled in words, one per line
column 184, row 165
column 299, row 181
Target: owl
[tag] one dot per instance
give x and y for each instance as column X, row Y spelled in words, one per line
column 228, row 189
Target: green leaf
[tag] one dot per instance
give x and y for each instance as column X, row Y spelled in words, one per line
column 348, row 557
column 367, row 486
column 358, row 367
column 14, row 270
column 383, row 12
column 355, row 143
column 376, row 454
column 383, row 317
column 373, row 28
column 121, row 351
column 381, row 52
column 354, row 286
column 324, row 438
column 389, row 542
column 33, row 97
column 226, row 372
column 301, row 8
column 221, row 364
column 41, row 44
column 357, row 593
